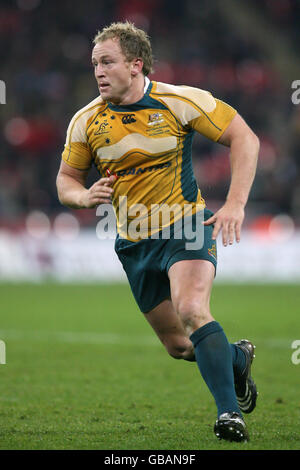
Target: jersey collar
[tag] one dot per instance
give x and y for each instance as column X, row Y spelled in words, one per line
column 134, row 106
column 147, row 83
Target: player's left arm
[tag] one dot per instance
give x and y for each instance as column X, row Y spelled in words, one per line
column 244, row 148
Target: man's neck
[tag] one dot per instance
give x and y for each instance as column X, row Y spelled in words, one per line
column 136, row 92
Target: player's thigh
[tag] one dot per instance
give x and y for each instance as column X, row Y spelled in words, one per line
column 169, row 328
column 191, row 283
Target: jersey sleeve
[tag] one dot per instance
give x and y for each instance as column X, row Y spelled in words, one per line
column 77, row 152
column 214, row 119
column 197, row 109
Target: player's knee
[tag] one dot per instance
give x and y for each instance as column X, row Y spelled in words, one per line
column 180, row 349
column 194, row 313
column 176, row 353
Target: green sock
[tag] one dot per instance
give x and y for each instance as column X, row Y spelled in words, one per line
column 214, row 360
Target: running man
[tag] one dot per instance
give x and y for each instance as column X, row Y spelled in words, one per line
column 138, row 133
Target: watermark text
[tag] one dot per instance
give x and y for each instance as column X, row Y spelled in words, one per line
column 159, row 221
column 2, row 352
column 2, row 92
column 296, row 93
column 296, row 354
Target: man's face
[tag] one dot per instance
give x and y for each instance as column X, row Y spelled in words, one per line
column 112, row 71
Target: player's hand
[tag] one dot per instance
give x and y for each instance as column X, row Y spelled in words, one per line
column 99, row 193
column 228, row 220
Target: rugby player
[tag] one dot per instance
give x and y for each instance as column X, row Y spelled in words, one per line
column 138, row 133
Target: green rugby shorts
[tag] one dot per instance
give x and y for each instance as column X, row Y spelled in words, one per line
column 147, row 262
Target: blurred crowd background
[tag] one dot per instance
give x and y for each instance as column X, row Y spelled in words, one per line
column 244, row 52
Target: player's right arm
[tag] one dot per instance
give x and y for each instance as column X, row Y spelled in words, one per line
column 72, row 192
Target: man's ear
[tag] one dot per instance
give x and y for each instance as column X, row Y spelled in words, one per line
column 137, row 66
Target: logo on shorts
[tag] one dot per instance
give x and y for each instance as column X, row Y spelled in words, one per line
column 213, row 251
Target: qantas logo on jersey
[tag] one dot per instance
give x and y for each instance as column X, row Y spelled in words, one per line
column 141, row 170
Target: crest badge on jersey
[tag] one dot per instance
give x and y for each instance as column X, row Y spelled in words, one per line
column 102, row 128
column 155, row 118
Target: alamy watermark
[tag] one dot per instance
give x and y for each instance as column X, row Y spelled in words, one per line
column 2, row 92
column 138, row 222
column 296, row 94
column 296, row 354
column 2, row 352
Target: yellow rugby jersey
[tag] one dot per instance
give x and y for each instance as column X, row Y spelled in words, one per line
column 148, row 145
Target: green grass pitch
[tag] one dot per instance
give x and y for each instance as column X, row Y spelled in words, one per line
column 85, row 371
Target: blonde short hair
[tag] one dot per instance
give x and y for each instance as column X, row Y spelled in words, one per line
column 134, row 42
